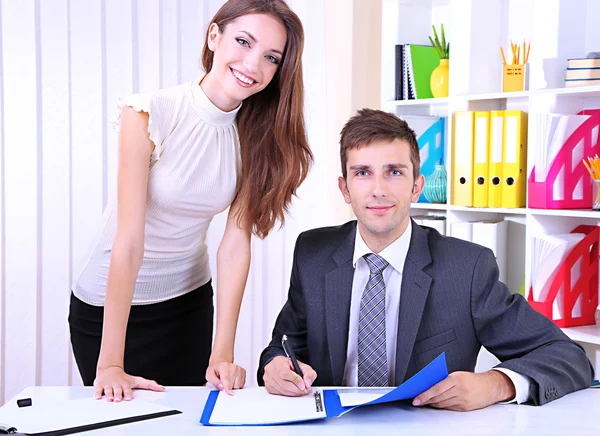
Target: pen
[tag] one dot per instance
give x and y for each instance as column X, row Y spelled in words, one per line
column 290, row 354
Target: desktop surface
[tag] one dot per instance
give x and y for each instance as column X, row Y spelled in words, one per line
column 576, row 413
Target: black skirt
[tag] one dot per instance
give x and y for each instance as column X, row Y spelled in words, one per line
column 169, row 342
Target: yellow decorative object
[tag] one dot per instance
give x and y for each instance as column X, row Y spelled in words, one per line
column 439, row 79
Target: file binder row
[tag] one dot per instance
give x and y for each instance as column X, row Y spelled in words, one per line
column 489, row 159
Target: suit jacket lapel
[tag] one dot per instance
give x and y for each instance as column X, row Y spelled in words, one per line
column 413, row 296
column 338, row 293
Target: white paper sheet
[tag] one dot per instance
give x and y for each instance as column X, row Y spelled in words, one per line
column 257, row 406
column 75, row 413
column 358, row 397
column 547, row 254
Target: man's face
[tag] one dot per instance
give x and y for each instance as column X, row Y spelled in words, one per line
column 380, row 188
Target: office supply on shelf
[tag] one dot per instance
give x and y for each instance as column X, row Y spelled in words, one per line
column 423, row 60
column 565, row 276
column 583, row 63
column 558, row 179
column 515, row 75
column 481, row 166
column 462, row 230
column 594, row 169
column 493, row 235
column 514, row 159
column 429, row 131
column 418, row 61
column 433, row 221
column 495, row 184
column 569, row 83
column 66, row 417
column 462, row 160
column 398, row 73
column 289, row 352
column 255, row 406
column 583, row 73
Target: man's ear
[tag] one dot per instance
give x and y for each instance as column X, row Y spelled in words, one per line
column 417, row 188
column 344, row 189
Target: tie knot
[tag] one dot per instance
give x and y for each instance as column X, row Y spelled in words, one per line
column 376, row 263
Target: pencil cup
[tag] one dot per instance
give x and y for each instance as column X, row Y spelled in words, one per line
column 596, row 194
column 515, row 77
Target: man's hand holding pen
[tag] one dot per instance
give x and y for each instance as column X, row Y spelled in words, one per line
column 281, row 379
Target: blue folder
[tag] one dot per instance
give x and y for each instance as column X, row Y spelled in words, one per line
column 432, row 374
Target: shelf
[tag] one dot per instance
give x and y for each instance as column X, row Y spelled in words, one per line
column 588, row 333
column 582, row 91
column 575, row 213
column 429, row 206
column 514, row 211
column 420, row 102
column 579, row 91
column 493, row 96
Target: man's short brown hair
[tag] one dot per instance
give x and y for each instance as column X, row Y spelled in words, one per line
column 371, row 125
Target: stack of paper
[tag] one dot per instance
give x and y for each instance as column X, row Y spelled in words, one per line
column 548, row 253
column 551, row 132
column 435, row 222
column 490, row 234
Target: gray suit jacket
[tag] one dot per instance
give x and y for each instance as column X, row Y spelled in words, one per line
column 451, row 300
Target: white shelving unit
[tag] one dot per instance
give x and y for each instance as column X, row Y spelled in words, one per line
column 557, row 30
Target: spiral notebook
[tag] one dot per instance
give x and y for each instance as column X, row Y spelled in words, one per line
column 418, row 61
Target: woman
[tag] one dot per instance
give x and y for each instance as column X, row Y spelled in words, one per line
column 234, row 137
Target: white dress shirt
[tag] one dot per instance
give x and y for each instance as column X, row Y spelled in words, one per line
column 395, row 254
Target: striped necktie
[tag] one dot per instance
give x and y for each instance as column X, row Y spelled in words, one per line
column 372, row 357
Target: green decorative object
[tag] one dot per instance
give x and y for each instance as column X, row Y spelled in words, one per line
column 435, row 185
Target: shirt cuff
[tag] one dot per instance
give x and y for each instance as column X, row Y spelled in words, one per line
column 521, row 383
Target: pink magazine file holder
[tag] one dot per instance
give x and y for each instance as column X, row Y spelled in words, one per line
column 540, row 194
column 585, row 288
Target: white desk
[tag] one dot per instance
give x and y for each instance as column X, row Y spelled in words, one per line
column 576, row 413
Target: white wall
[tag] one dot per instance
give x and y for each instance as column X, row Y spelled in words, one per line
column 63, row 63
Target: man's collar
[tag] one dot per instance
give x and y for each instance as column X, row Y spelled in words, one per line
column 395, row 253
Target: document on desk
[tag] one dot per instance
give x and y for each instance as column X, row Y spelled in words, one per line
column 74, row 416
column 255, row 406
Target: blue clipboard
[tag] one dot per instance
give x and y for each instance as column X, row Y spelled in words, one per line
column 432, row 374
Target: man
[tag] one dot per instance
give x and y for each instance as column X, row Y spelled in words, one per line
column 374, row 301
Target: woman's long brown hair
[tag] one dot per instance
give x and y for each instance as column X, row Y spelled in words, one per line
column 274, row 149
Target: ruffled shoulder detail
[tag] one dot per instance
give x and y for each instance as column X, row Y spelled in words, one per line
column 143, row 103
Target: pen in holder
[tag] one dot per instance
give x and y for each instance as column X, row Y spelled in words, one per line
column 593, row 167
column 596, row 193
column 515, row 77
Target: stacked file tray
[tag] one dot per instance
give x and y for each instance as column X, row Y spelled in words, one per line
column 565, row 276
column 559, row 180
column 429, row 131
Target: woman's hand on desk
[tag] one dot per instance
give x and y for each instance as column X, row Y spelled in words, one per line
column 464, row 391
column 116, row 384
column 225, row 376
